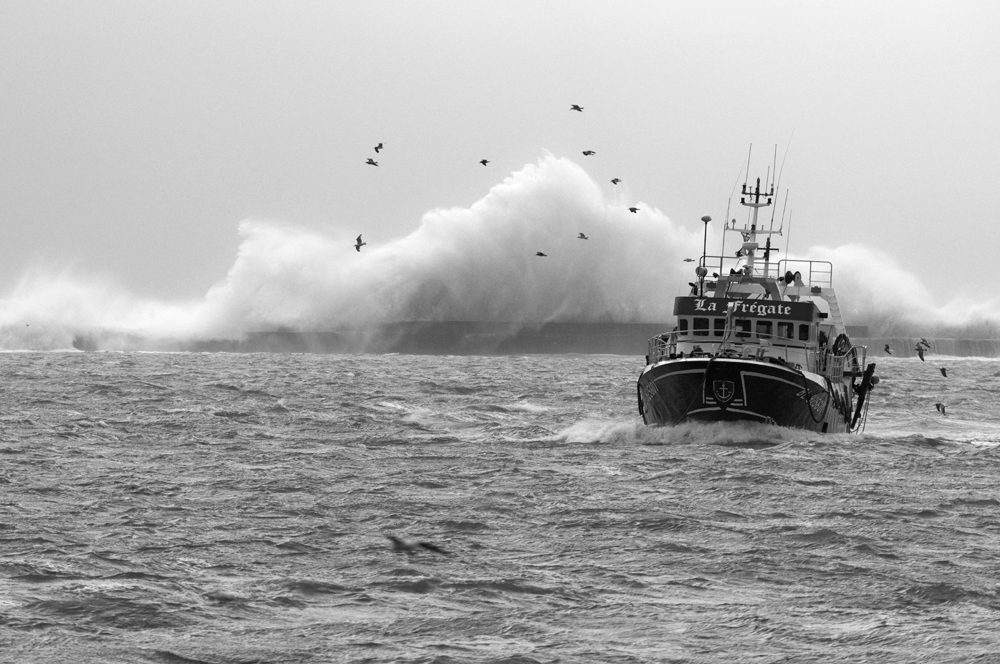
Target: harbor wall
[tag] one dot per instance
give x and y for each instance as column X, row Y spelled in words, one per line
column 452, row 338
column 906, row 346
column 498, row 338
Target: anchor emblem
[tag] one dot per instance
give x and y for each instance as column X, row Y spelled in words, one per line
column 723, row 390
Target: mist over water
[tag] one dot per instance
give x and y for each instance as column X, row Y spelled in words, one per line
column 460, row 264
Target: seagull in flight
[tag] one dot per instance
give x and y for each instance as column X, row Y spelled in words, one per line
column 576, row 107
column 944, row 372
column 940, row 407
column 484, row 161
column 371, row 162
column 615, row 180
column 688, row 260
column 633, row 210
column 587, row 153
column 887, row 349
column 581, row 236
column 410, row 548
column 920, row 352
column 359, row 244
column 538, row 253
column 378, row 147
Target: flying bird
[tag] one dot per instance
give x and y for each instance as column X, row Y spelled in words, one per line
column 920, row 352
column 588, row 152
column 371, row 162
column 944, row 372
column 615, row 180
column 633, row 210
column 581, row 236
column 538, row 253
column 378, row 147
column 688, row 260
column 925, row 343
column 576, row 107
column 410, row 548
column 359, row 244
column 940, row 407
column 887, row 349
column 484, row 161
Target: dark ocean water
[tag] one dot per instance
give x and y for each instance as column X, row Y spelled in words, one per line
column 227, row 508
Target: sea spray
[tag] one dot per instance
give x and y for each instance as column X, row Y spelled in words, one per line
column 459, row 264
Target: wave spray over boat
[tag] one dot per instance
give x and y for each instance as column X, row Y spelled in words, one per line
column 758, row 340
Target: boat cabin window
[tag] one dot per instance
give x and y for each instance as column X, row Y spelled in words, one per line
column 803, row 332
column 742, row 326
column 719, row 327
column 701, row 327
column 786, row 330
column 682, row 325
column 764, row 328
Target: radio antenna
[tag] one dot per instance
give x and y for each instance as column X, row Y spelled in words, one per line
column 783, row 206
column 779, row 179
column 775, row 169
column 788, row 238
column 728, row 205
column 747, row 178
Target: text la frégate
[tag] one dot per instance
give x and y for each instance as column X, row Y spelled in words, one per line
column 743, row 308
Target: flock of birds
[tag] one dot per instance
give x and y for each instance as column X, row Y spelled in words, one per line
column 587, row 153
column 922, row 347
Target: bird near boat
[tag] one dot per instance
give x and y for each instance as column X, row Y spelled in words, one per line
column 484, row 161
column 538, row 253
column 576, row 107
column 378, row 147
column 940, row 407
column 587, row 153
column 920, row 352
column 633, row 210
column 371, row 162
column 411, row 548
column 925, row 343
column 688, row 260
column 944, row 372
column 615, row 180
column 359, row 244
column 581, row 236
column 888, row 350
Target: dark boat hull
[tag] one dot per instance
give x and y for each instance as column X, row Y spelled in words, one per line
column 728, row 389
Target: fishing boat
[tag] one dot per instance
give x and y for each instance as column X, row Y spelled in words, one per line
column 759, row 341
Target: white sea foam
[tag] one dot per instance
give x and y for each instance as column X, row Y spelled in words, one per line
column 465, row 264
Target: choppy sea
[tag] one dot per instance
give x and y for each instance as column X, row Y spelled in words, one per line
column 234, row 508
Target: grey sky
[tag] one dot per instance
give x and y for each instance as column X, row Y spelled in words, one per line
column 136, row 136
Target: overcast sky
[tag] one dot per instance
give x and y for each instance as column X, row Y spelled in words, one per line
column 135, row 137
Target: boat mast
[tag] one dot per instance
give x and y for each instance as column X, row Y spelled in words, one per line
column 750, row 234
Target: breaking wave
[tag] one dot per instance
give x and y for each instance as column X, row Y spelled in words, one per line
column 460, row 264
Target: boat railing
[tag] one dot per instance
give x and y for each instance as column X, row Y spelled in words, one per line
column 662, row 346
column 814, row 273
column 835, row 367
